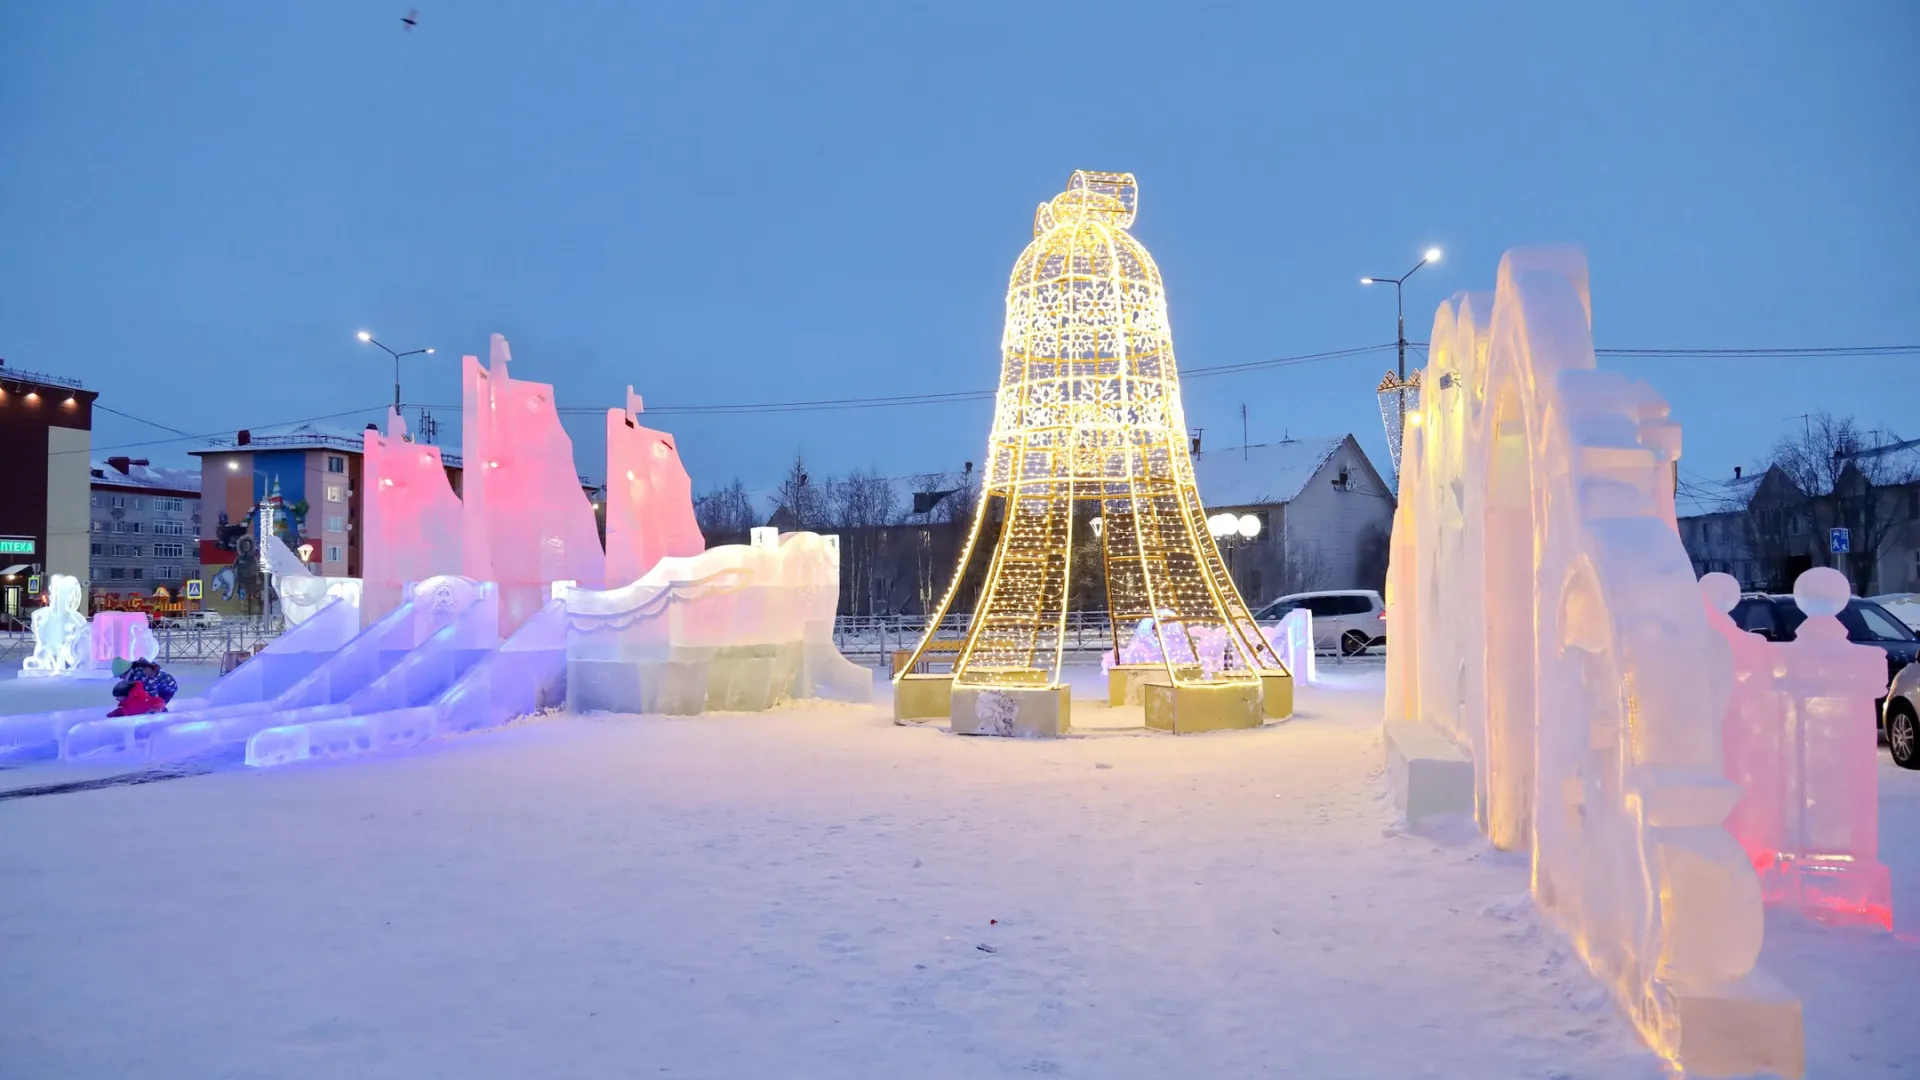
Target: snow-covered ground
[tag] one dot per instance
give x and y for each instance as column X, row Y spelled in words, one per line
column 817, row 892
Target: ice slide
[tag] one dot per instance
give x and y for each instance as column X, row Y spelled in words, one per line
column 434, row 664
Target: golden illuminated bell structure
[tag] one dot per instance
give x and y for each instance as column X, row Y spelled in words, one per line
column 1088, row 424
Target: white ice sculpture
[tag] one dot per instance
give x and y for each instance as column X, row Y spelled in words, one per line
column 61, row 641
column 740, row 627
column 303, row 592
column 1546, row 616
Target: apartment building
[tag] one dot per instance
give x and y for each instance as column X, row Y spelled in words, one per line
column 46, row 431
column 144, row 533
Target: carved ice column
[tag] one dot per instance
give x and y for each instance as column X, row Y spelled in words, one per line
column 1829, row 864
column 1752, row 732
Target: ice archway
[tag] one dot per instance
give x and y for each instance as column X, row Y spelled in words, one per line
column 1547, row 619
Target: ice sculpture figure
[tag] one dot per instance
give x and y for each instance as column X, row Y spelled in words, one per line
column 527, row 521
column 1546, row 615
column 737, row 627
column 61, row 643
column 649, row 497
column 303, row 592
column 412, row 523
column 1799, row 740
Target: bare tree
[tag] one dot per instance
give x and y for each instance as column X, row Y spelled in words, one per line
column 725, row 513
column 1831, row 461
column 1303, row 566
column 1370, row 560
column 799, row 501
column 861, row 505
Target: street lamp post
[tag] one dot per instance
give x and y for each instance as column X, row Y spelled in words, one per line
column 369, row 339
column 1400, row 311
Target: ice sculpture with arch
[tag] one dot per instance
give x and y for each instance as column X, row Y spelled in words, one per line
column 1547, row 619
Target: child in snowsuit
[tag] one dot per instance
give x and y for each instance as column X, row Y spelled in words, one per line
column 146, row 689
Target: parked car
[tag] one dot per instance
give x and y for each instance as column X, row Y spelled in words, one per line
column 1902, row 606
column 1900, row 718
column 187, row 619
column 1776, row 618
column 1350, row 620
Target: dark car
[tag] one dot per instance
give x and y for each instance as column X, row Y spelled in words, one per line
column 1776, row 618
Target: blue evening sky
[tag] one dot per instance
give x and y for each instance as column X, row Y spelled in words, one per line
column 200, row 203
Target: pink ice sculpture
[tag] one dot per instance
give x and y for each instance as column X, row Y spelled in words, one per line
column 1799, row 738
column 122, row 635
column 411, row 526
column 649, row 498
column 528, row 522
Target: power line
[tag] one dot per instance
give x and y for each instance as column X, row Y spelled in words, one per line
column 942, row 398
column 1809, row 352
column 212, row 436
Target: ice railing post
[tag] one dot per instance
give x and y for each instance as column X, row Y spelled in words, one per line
column 1829, row 866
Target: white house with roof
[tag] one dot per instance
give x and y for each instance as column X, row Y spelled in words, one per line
column 1325, row 514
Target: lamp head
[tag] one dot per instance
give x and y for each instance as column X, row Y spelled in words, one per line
column 364, row 336
column 1366, row 281
column 1433, row 254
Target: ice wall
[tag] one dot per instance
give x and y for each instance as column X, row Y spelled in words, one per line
column 411, row 521
column 737, row 627
column 1545, row 614
column 528, row 522
column 649, row 497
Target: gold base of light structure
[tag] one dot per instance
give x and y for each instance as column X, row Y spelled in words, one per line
column 1088, row 426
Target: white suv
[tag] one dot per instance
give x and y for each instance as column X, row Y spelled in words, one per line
column 1351, row 620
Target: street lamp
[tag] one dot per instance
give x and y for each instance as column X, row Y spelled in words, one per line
column 1400, row 311
column 368, row 338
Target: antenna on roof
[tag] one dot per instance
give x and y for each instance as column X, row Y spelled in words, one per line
column 1243, row 431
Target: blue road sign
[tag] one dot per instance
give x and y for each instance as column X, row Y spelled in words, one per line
column 1841, row 542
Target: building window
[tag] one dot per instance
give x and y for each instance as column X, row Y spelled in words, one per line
column 169, row 551
column 129, row 526
column 97, row 547
column 336, row 463
column 333, row 553
column 136, row 502
column 336, row 493
column 336, row 523
column 136, row 573
column 116, row 502
column 117, row 573
column 96, row 498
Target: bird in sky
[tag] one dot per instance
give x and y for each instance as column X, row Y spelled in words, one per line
column 411, row 18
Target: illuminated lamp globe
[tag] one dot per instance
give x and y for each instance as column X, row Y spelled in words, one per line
column 1433, row 254
column 1248, row 526
column 364, row 336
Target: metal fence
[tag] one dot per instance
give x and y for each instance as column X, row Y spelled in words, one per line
column 876, row 637
column 178, row 644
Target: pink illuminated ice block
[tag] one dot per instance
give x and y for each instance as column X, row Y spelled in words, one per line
column 649, row 498
column 528, row 522
column 1805, row 753
column 412, row 524
column 121, row 635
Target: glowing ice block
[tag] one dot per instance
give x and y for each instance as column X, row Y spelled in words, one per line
column 61, row 643
column 1546, row 616
column 412, row 521
column 1292, row 641
column 649, row 497
column 527, row 520
column 1799, row 739
column 737, row 627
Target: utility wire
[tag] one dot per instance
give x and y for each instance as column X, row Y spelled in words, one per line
column 212, row 436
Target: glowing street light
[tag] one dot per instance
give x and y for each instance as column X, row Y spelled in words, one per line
column 366, row 337
column 1398, row 387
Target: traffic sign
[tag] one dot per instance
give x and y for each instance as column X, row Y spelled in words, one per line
column 1841, row 542
column 193, row 589
column 33, row 584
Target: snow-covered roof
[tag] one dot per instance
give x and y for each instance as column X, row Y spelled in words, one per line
column 1265, row 475
column 1729, row 495
column 138, row 473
